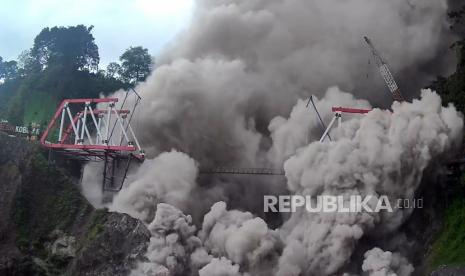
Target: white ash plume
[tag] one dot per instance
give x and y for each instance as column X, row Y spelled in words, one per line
column 171, row 245
column 200, row 107
column 385, row 156
column 91, row 184
column 221, row 267
column 311, row 45
column 384, row 263
column 303, row 125
column 242, row 238
column 168, row 178
column 380, row 153
column 241, row 64
column 229, row 241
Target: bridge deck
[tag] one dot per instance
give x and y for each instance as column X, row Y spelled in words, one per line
column 253, row 171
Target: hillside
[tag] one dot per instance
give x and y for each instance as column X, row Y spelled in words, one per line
column 48, row 228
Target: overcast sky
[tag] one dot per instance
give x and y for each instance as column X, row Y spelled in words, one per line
column 118, row 24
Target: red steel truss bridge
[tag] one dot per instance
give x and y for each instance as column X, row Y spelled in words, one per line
column 96, row 130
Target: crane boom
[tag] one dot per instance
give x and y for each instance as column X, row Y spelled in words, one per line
column 385, row 72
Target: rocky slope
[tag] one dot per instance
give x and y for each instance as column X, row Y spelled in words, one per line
column 48, row 228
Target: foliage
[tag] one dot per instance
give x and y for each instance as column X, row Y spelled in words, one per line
column 113, row 70
column 95, row 227
column 8, row 69
column 72, row 47
column 50, row 86
column 448, row 247
column 63, row 63
column 452, row 88
column 135, row 64
column 456, row 16
column 27, row 64
column 39, row 108
column 45, row 199
column 7, row 91
column 48, row 200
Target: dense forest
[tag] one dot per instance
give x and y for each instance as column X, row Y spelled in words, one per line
column 452, row 88
column 447, row 247
column 63, row 63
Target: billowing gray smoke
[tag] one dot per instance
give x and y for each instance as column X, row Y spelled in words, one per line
column 232, row 91
column 380, row 263
column 241, row 63
column 383, row 153
column 380, row 154
column 301, row 47
column 154, row 182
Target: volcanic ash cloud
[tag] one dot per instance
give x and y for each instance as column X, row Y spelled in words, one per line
column 380, row 153
column 379, row 263
column 168, row 178
column 385, row 155
column 224, row 94
column 241, row 63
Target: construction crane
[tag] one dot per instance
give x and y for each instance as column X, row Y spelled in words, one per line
column 385, row 73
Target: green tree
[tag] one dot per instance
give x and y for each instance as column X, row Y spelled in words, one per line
column 51, row 72
column 113, row 70
column 456, row 16
column 69, row 47
column 27, row 64
column 135, row 64
column 452, row 88
column 8, row 69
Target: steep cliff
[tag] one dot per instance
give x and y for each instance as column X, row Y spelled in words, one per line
column 48, row 228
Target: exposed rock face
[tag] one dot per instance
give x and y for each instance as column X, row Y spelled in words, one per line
column 449, row 271
column 119, row 243
column 48, row 228
column 64, row 246
column 13, row 154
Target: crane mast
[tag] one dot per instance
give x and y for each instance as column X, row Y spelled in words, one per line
column 385, row 73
